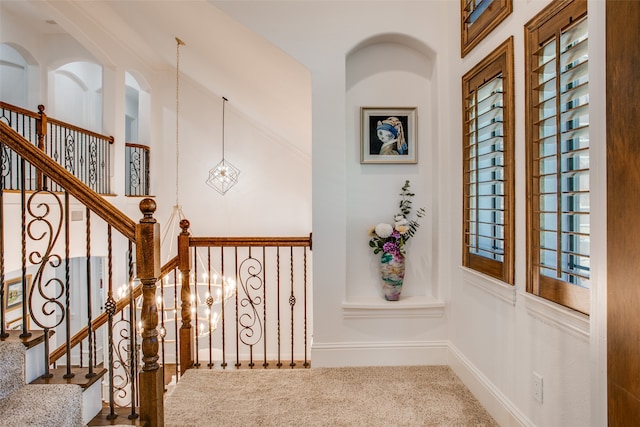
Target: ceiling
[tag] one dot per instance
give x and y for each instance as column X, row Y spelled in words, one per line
column 226, row 58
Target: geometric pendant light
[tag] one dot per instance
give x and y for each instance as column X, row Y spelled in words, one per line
column 224, row 175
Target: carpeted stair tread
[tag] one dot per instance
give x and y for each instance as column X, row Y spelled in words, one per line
column 43, row 406
column 39, row 405
column 11, row 367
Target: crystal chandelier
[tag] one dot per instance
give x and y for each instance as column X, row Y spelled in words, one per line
column 224, row 175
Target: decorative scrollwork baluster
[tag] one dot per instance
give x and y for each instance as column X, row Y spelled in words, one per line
column 250, row 322
column 45, row 226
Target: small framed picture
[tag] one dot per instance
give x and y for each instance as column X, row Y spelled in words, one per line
column 13, row 298
column 389, row 135
column 15, row 324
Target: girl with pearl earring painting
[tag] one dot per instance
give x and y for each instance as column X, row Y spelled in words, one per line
column 388, row 135
column 391, row 133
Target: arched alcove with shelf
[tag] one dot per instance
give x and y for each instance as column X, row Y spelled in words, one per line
column 391, row 71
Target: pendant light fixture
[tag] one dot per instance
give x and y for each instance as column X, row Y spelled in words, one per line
column 224, row 175
column 172, row 227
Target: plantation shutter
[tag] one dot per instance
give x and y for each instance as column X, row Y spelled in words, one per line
column 488, row 163
column 560, row 165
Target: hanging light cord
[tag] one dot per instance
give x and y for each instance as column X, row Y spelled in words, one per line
column 224, row 101
column 178, row 44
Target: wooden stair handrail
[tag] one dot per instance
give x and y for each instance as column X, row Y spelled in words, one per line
column 19, row 110
column 121, row 304
column 34, row 115
column 250, row 241
column 76, row 188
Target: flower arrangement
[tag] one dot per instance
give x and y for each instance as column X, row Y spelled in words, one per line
column 391, row 238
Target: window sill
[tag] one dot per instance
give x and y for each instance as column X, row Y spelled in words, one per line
column 490, row 285
column 406, row 307
column 558, row 316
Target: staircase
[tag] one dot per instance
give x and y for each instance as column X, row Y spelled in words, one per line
column 22, row 404
column 148, row 318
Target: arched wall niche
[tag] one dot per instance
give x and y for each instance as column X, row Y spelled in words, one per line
column 391, row 70
column 137, row 109
column 75, row 90
column 19, row 70
column 401, row 47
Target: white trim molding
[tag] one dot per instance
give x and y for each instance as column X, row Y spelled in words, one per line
column 573, row 322
column 505, row 412
column 406, row 307
column 492, row 286
column 401, row 353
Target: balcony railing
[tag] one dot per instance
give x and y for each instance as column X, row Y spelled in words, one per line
column 83, row 153
column 242, row 301
column 137, row 170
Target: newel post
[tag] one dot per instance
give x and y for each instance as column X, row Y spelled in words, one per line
column 184, row 265
column 148, row 271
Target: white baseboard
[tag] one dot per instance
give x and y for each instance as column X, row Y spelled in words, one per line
column 404, row 353
column 494, row 401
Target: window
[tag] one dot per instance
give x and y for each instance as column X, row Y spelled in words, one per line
column 479, row 18
column 557, row 141
column 488, row 113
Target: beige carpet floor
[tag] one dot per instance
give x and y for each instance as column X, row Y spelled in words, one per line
column 385, row 396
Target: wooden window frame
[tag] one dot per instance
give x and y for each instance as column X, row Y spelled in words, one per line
column 545, row 25
column 472, row 33
column 500, row 61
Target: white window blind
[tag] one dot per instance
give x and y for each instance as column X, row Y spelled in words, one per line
column 475, row 8
column 561, row 157
column 485, row 171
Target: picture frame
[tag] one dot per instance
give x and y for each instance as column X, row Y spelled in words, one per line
column 14, row 324
column 13, row 298
column 388, row 135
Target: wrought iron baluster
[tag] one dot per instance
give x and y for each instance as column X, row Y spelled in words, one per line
column 133, row 337
column 23, row 200
column 222, row 284
column 292, row 303
column 194, row 305
column 279, row 364
column 90, row 335
column 110, row 308
column 67, row 285
column 238, row 364
column 306, row 361
column 175, row 322
column 209, row 302
column 264, row 308
column 162, row 331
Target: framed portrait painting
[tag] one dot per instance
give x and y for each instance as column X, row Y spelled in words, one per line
column 388, row 135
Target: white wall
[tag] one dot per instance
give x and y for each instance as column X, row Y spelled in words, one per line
column 508, row 336
column 493, row 336
column 273, row 193
column 498, row 335
column 353, row 325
